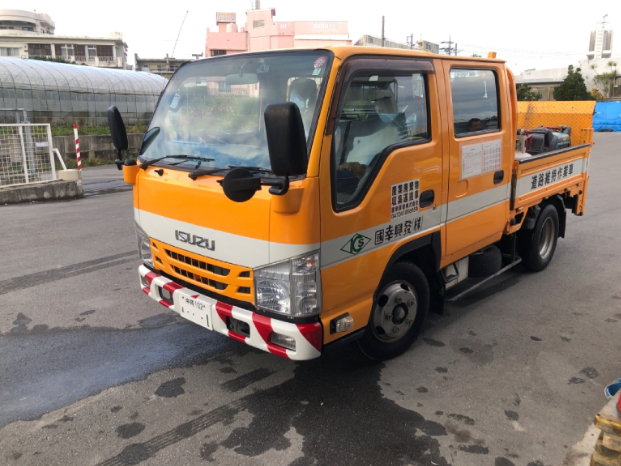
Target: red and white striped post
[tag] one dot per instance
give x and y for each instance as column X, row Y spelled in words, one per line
column 77, row 146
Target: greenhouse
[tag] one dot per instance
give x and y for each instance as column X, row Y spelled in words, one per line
column 57, row 93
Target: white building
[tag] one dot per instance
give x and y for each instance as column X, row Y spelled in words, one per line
column 600, row 45
column 25, row 34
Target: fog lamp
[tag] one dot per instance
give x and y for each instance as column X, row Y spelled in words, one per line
column 283, row 340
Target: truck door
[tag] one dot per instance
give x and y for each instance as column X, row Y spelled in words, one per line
column 382, row 166
column 481, row 155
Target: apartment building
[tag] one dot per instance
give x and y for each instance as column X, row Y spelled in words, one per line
column 25, row 34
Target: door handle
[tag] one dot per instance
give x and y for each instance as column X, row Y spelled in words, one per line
column 499, row 176
column 426, row 198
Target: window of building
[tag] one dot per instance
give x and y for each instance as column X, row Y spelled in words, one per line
column 215, row 53
column 104, row 51
column 28, row 28
column 66, row 51
column 223, row 87
column 377, row 112
column 258, row 23
column 475, row 101
column 6, row 27
column 9, row 52
column 91, row 52
column 39, row 50
column 161, row 68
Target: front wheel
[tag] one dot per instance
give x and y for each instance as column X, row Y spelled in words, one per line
column 398, row 313
column 538, row 245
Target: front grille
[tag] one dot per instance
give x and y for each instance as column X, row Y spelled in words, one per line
column 196, row 277
column 220, row 277
column 200, row 264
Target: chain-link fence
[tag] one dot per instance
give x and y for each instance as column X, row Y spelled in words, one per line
column 26, row 154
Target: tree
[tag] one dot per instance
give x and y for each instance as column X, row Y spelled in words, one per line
column 605, row 82
column 475, row 55
column 573, row 87
column 527, row 93
column 597, row 95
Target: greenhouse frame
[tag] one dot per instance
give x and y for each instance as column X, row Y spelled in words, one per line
column 63, row 94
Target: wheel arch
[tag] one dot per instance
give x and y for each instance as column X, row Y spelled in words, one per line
column 425, row 252
column 533, row 214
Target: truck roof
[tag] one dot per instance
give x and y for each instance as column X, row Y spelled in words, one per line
column 343, row 52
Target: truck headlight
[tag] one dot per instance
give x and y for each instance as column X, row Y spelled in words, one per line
column 144, row 246
column 291, row 288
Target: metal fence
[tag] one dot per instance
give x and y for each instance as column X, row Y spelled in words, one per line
column 26, row 154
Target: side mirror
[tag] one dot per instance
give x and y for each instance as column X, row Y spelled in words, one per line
column 119, row 135
column 286, row 140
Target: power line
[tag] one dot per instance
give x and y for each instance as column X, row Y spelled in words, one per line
column 173, row 52
column 522, row 51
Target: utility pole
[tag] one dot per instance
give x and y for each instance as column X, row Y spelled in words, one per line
column 410, row 40
column 603, row 22
column 455, row 48
column 197, row 55
column 383, row 38
column 448, row 49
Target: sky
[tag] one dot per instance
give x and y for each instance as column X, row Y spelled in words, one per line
column 528, row 34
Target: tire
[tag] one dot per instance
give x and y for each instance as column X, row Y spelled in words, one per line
column 485, row 262
column 398, row 314
column 537, row 246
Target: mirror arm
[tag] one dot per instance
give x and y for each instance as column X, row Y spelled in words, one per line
column 278, row 188
column 119, row 161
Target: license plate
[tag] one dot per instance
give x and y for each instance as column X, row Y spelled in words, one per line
column 194, row 309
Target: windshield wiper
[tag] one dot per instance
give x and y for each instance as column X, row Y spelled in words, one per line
column 148, row 163
column 210, row 171
column 204, row 171
column 253, row 169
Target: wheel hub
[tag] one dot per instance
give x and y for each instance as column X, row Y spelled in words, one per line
column 546, row 238
column 395, row 311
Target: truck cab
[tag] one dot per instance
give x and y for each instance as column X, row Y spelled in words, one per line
column 296, row 200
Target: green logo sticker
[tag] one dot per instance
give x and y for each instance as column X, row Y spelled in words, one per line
column 355, row 244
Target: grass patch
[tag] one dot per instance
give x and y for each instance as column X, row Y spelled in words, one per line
column 94, row 130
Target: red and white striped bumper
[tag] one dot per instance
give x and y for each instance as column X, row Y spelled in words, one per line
column 308, row 337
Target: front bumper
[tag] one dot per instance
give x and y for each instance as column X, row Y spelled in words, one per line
column 308, row 337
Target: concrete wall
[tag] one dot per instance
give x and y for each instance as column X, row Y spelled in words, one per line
column 96, row 146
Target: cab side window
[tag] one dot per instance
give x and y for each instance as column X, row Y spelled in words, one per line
column 376, row 112
column 475, row 101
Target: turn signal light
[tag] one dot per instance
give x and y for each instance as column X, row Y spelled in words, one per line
column 344, row 324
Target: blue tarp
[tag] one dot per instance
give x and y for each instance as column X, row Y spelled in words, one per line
column 607, row 116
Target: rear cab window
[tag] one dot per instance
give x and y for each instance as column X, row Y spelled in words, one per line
column 474, row 95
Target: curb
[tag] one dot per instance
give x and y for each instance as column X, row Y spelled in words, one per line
column 41, row 191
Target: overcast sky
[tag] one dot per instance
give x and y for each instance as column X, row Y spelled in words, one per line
column 528, row 34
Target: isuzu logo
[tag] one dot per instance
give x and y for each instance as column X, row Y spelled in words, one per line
column 195, row 240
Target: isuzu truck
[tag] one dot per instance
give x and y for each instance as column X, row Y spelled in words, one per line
column 297, row 200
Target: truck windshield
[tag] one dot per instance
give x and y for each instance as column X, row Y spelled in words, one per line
column 213, row 109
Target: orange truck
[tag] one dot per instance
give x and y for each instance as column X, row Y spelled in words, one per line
column 298, row 200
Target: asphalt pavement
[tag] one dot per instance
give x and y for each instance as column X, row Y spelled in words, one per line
column 92, row 372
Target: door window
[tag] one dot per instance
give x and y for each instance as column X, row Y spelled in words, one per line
column 475, row 101
column 376, row 113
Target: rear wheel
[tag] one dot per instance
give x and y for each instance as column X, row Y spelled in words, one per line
column 538, row 246
column 398, row 313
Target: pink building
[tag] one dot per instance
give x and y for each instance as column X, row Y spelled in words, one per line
column 263, row 33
